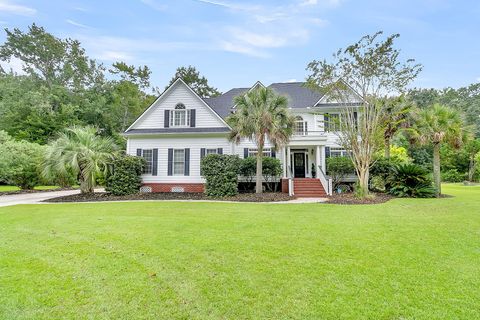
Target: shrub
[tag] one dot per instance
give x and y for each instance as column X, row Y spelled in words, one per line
column 221, row 174
column 410, row 180
column 248, row 169
column 338, row 168
column 271, row 169
column 126, row 177
column 453, row 175
column 20, row 163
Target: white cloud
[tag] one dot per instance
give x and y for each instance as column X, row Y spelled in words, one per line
column 76, row 24
column 478, row 79
column 291, row 80
column 155, row 5
column 9, row 7
column 243, row 49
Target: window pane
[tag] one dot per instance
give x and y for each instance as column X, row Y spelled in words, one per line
column 179, row 161
column 211, row 151
column 148, row 156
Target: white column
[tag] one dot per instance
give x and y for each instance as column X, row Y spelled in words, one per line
column 284, row 161
column 288, row 162
column 317, row 158
column 324, row 165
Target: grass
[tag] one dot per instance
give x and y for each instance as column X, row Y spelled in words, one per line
column 405, row 259
column 14, row 188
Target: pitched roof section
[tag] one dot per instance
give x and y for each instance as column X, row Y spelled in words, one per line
column 299, row 96
column 223, row 104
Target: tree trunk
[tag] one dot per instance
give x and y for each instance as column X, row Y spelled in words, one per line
column 363, row 177
column 258, row 181
column 387, row 147
column 436, row 169
column 471, row 168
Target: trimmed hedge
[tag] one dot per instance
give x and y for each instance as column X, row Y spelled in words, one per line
column 221, row 174
column 126, row 178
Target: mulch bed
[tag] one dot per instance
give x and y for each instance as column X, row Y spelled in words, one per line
column 242, row 197
column 349, row 198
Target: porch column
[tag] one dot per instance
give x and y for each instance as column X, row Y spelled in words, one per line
column 288, row 162
column 282, row 152
column 317, row 158
column 324, row 164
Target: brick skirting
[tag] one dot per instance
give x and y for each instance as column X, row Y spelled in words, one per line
column 167, row 187
column 284, row 183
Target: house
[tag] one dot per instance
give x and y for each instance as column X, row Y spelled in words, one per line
column 180, row 127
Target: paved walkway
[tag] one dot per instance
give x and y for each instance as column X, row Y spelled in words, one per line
column 32, row 198
column 38, row 197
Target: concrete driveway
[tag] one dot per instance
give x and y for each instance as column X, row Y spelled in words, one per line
column 32, row 198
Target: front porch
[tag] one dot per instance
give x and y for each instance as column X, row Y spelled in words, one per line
column 304, row 167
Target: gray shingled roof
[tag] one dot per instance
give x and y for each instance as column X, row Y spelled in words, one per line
column 177, row 130
column 223, row 104
column 298, row 97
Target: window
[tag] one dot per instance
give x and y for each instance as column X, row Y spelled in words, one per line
column 148, row 156
column 179, row 162
column 211, row 151
column 180, row 117
column 338, row 152
column 267, row 152
column 333, row 122
column 300, row 126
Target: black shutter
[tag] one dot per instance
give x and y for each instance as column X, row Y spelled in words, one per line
column 327, row 152
column 155, row 162
column 170, row 162
column 166, row 122
column 139, row 152
column 273, row 155
column 220, row 150
column 202, row 155
column 355, row 118
column 192, row 118
column 326, row 126
column 187, row 162
column 245, row 153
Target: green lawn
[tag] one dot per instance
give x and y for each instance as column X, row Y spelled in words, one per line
column 14, row 188
column 406, row 259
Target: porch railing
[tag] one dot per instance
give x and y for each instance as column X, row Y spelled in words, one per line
column 305, row 133
column 326, row 183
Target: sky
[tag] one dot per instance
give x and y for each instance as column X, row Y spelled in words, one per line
column 234, row 43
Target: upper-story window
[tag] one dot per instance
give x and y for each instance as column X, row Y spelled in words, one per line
column 180, row 116
column 300, row 126
column 332, row 122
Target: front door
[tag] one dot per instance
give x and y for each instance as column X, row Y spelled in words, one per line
column 299, row 165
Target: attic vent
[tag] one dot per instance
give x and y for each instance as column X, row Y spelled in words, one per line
column 177, row 189
column 145, row 189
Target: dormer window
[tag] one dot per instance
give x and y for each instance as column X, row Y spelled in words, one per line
column 180, row 116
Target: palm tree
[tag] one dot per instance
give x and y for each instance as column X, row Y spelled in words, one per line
column 438, row 125
column 82, row 152
column 261, row 115
column 394, row 116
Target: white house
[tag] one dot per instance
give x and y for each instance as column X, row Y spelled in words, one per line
column 180, row 127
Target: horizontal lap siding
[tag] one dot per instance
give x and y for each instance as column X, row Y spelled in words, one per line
column 205, row 118
column 163, row 144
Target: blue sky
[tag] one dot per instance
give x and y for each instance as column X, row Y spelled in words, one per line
column 234, row 43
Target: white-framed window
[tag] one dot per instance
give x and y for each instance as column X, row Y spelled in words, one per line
column 180, row 117
column 333, row 122
column 147, row 154
column 300, row 126
column 338, row 152
column 252, row 152
column 211, row 151
column 179, row 162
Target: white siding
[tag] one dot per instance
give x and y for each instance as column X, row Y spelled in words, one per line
column 163, row 144
column 179, row 93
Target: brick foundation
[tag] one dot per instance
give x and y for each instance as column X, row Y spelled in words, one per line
column 167, row 187
column 284, row 183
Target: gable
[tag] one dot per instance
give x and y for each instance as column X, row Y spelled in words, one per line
column 179, row 92
column 351, row 96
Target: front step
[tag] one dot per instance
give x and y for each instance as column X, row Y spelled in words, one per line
column 308, row 188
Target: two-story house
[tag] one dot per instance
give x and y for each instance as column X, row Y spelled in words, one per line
column 180, row 128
